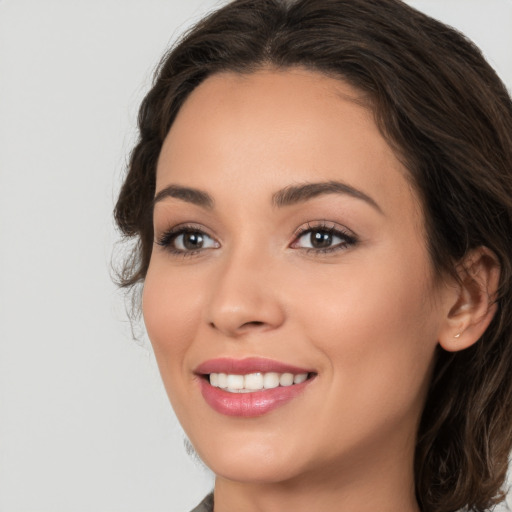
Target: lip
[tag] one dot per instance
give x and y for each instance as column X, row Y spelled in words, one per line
column 247, row 365
column 253, row 404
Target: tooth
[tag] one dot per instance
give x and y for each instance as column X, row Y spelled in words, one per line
column 223, row 380
column 286, row 379
column 301, row 377
column 253, row 381
column 270, row 380
column 235, row 381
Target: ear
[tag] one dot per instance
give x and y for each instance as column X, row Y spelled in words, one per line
column 471, row 306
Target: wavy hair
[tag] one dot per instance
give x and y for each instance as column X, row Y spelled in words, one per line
column 448, row 117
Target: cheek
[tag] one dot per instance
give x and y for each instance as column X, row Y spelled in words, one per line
column 369, row 298
column 170, row 306
column 377, row 331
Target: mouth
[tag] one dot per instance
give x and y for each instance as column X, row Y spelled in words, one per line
column 251, row 382
column 250, row 387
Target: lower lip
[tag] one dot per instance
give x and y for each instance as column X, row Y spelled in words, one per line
column 249, row 405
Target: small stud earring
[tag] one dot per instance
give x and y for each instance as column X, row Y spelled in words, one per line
column 457, row 335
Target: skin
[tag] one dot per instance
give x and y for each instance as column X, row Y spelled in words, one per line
column 366, row 317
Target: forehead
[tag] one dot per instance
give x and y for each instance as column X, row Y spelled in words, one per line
column 270, row 128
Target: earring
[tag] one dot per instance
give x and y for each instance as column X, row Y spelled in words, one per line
column 457, row 335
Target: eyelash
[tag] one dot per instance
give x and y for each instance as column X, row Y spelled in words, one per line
column 348, row 238
column 168, row 237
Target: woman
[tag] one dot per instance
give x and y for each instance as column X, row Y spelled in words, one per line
column 322, row 199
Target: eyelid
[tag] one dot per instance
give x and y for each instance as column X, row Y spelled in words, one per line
column 167, row 237
column 325, row 225
column 347, row 236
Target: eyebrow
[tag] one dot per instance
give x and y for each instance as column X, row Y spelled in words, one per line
column 287, row 196
column 187, row 194
column 294, row 194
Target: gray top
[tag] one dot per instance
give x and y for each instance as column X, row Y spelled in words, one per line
column 206, row 505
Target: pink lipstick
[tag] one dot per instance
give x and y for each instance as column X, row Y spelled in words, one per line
column 250, row 387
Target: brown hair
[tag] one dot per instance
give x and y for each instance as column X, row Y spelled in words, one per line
column 449, row 118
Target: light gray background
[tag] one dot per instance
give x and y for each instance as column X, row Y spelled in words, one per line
column 84, row 422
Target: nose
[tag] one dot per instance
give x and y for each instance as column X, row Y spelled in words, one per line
column 245, row 297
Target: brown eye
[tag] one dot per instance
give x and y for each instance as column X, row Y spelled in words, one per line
column 324, row 239
column 183, row 240
column 191, row 240
column 320, row 239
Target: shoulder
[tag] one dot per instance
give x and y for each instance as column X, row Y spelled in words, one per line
column 206, row 505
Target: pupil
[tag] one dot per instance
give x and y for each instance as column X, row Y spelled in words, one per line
column 321, row 239
column 193, row 240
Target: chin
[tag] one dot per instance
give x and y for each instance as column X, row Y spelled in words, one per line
column 250, row 463
column 253, row 471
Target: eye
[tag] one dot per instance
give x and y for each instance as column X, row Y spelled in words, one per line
column 186, row 240
column 323, row 238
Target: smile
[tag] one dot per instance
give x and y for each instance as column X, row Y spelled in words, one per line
column 251, row 382
column 250, row 387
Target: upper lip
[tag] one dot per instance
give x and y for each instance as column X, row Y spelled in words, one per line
column 247, row 365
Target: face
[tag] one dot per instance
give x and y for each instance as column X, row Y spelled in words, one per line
column 289, row 246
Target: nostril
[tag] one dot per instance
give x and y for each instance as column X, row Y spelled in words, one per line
column 256, row 323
